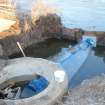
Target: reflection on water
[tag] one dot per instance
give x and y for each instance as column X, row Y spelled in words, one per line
column 94, row 66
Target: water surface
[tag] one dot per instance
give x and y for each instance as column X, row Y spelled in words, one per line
column 45, row 49
column 93, row 66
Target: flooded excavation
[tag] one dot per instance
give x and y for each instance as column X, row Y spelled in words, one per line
column 52, row 49
column 46, row 49
column 46, row 52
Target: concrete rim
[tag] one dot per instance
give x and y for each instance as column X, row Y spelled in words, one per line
column 43, row 67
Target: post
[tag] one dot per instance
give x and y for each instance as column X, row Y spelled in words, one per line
column 21, row 49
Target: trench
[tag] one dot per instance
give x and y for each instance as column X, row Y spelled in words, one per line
column 93, row 66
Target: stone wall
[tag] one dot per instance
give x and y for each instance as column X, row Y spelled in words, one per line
column 100, row 37
column 72, row 34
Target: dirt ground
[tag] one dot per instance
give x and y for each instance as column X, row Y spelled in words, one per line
column 90, row 92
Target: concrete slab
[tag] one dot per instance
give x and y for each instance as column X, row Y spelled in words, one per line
column 5, row 24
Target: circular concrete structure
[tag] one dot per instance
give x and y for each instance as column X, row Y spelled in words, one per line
column 26, row 68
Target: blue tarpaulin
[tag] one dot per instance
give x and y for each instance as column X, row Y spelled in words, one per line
column 34, row 87
column 71, row 59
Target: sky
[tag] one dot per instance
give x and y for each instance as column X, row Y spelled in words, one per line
column 86, row 14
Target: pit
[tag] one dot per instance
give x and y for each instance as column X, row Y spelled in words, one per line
column 52, row 47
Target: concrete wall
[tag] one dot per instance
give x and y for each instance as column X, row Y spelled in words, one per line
column 76, row 34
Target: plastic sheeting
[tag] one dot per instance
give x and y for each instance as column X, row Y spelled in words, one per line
column 71, row 59
column 7, row 10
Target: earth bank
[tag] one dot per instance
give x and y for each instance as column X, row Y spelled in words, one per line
column 27, row 32
column 38, row 25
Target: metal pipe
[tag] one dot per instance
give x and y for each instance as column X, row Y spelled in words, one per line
column 21, row 49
